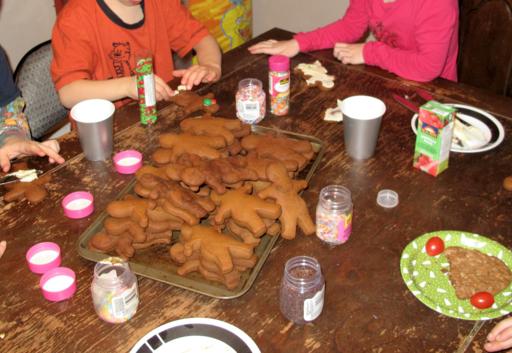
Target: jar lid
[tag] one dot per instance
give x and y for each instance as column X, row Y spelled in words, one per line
column 279, row 63
column 387, row 198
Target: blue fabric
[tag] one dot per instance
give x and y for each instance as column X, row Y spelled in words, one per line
column 8, row 90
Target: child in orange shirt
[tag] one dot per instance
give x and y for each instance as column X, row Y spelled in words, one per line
column 95, row 42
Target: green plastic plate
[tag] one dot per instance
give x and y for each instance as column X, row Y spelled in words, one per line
column 427, row 276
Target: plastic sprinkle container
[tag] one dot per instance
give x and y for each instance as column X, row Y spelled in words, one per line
column 250, row 101
column 334, row 215
column 114, row 290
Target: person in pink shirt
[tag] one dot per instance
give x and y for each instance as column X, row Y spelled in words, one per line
column 415, row 39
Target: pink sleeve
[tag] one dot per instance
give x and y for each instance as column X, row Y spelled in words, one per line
column 435, row 26
column 348, row 29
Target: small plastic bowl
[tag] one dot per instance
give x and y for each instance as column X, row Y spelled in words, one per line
column 58, row 284
column 43, row 257
column 78, row 204
column 387, row 198
column 128, row 162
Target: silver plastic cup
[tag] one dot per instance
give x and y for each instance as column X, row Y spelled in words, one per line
column 362, row 116
column 94, row 122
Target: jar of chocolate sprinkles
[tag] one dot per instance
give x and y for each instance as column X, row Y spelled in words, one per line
column 301, row 296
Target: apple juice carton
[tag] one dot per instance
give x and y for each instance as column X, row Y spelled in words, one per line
column 434, row 137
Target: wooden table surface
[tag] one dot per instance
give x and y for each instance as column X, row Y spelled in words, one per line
column 367, row 307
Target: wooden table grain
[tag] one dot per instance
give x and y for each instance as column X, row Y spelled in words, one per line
column 367, row 307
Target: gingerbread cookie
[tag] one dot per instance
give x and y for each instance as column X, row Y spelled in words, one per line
column 191, row 102
column 33, row 191
column 203, row 146
column 285, row 191
column 249, row 216
column 104, row 242
column 315, row 75
column 218, row 174
column 229, row 129
column 131, row 207
column 294, row 154
column 213, row 246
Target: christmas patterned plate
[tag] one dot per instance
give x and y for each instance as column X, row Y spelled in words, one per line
column 427, row 278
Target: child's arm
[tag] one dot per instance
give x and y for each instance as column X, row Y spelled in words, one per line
column 435, row 30
column 500, row 336
column 288, row 48
column 112, row 90
column 15, row 137
column 209, row 67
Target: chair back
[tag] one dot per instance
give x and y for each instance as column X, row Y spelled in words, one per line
column 44, row 110
column 485, row 45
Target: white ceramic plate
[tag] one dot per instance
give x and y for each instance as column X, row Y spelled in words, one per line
column 196, row 335
column 490, row 127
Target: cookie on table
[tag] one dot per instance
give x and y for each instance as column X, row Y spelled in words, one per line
column 315, row 75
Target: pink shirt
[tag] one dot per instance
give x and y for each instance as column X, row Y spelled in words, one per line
column 415, row 39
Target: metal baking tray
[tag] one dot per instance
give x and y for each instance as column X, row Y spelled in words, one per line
column 155, row 262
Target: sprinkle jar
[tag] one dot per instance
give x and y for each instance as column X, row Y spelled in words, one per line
column 114, row 290
column 334, row 215
column 301, row 296
column 146, row 87
column 250, row 101
column 279, row 84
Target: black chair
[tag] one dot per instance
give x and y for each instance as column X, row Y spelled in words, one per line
column 44, row 111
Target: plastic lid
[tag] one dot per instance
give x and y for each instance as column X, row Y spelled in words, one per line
column 279, row 63
column 387, row 198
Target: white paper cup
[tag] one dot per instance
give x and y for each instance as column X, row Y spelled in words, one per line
column 94, row 122
column 362, row 116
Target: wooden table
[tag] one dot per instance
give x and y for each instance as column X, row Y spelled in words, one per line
column 367, row 308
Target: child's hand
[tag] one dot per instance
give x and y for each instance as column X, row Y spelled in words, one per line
column 500, row 336
column 287, row 48
column 196, row 74
column 349, row 53
column 15, row 147
column 3, row 245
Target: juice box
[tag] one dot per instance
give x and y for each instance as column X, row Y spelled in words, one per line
column 434, row 137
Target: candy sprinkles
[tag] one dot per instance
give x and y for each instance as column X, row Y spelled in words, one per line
column 250, row 101
column 114, row 291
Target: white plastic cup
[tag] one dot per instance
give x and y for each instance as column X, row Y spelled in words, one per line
column 362, row 116
column 94, row 119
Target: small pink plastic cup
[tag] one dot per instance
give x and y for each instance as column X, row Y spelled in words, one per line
column 78, row 204
column 58, row 284
column 128, row 162
column 43, row 257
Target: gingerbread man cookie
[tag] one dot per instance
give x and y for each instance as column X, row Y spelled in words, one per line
column 249, row 216
column 316, row 75
column 191, row 102
column 33, row 191
column 203, row 146
column 229, row 129
column 294, row 209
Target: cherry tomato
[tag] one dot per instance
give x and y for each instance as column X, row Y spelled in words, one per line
column 434, row 246
column 482, row 300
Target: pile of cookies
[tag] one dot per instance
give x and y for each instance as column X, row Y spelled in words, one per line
column 223, row 188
